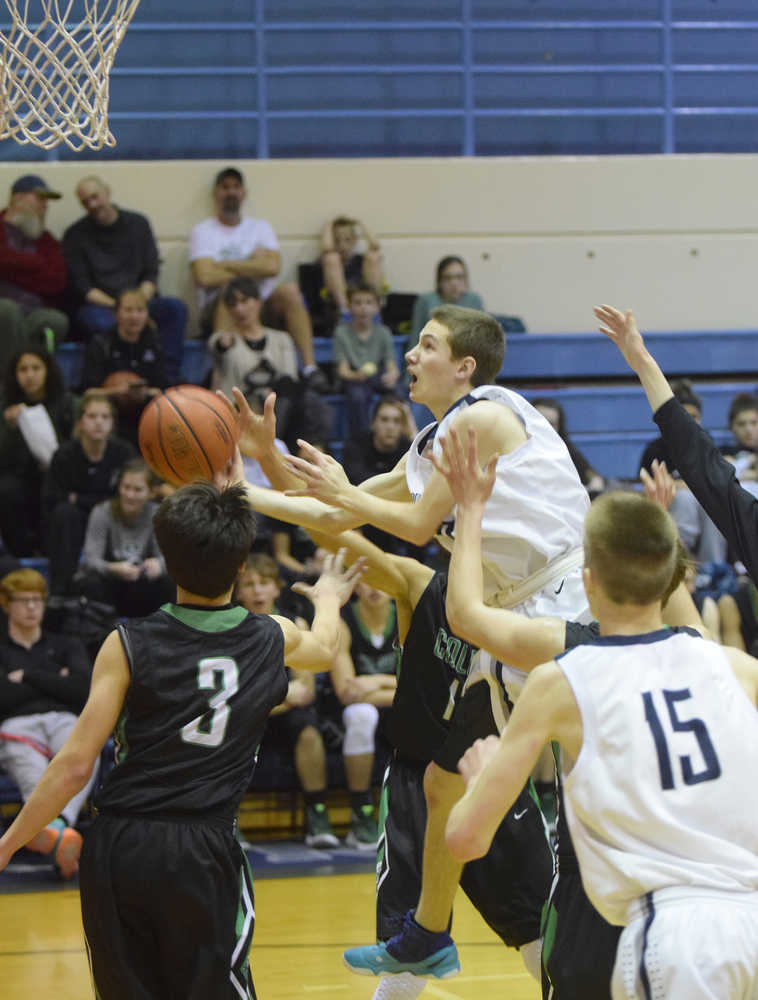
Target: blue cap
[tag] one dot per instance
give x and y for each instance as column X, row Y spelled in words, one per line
column 31, row 182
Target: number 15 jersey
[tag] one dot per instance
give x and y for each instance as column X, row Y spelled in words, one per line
column 203, row 682
column 663, row 793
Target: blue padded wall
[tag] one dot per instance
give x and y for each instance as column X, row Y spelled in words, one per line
column 292, row 78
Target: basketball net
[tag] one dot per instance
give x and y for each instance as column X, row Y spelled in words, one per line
column 54, row 75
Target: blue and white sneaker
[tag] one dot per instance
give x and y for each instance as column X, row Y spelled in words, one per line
column 423, row 953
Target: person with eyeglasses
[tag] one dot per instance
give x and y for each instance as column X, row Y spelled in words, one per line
column 451, row 288
column 44, row 681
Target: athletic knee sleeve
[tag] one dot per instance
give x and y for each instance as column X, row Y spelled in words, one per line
column 360, row 723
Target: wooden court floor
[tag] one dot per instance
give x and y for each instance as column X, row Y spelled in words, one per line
column 302, row 927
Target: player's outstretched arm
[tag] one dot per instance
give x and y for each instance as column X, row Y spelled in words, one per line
column 523, row 642
column 495, row 770
column 621, row 328
column 316, row 648
column 711, row 478
column 497, row 432
column 72, row 766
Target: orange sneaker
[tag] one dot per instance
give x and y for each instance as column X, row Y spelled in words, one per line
column 67, row 852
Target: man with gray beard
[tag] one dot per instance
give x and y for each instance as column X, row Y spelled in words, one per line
column 32, row 271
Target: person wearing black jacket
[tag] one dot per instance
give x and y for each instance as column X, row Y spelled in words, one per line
column 44, row 681
column 127, row 362
column 704, row 469
column 82, row 473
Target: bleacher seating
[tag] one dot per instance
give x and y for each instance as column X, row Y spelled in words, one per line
column 610, row 424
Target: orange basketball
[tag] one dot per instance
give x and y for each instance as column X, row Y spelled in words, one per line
column 187, row 433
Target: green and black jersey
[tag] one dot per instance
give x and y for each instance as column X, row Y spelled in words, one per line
column 433, row 670
column 367, row 657
column 203, row 681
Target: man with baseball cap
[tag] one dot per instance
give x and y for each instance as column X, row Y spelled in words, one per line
column 32, row 271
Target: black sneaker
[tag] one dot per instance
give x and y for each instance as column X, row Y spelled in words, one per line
column 318, row 829
column 363, row 833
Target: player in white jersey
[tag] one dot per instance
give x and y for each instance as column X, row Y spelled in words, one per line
column 533, row 527
column 659, row 741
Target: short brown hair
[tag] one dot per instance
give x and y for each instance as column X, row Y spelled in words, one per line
column 476, row 334
column 22, row 580
column 264, row 565
column 630, row 544
column 362, row 288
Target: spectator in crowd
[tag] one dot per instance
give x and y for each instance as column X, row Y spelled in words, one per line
column 231, row 245
column 738, row 617
column 293, row 724
column 364, row 356
column 127, row 361
column 121, row 563
column 552, row 411
column 743, row 423
column 32, row 271
column 82, row 473
column 342, row 265
column 33, row 383
column 364, row 679
column 451, row 288
column 699, row 534
column 44, row 680
column 109, row 250
column 260, row 360
column 377, row 451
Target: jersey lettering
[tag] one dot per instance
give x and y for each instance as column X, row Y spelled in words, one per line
column 452, row 651
column 218, row 674
column 699, row 730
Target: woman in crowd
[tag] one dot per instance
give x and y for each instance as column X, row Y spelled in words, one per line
column 83, row 471
column 121, row 562
column 32, row 379
column 451, row 288
column 127, row 362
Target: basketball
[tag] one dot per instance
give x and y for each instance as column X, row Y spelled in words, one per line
column 187, row 433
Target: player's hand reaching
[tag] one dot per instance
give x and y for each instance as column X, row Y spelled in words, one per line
column 470, row 484
column 476, row 758
column 621, row 328
column 324, row 477
column 660, row 487
column 257, row 430
column 334, row 580
column 234, row 472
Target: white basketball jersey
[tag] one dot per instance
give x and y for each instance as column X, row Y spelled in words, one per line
column 538, row 504
column 664, row 792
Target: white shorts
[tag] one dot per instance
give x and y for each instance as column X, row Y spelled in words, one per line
column 564, row 598
column 690, row 944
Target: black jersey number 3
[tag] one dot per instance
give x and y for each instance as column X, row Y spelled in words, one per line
column 218, row 674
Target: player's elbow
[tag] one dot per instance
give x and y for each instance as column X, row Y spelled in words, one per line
column 75, row 770
column 455, row 612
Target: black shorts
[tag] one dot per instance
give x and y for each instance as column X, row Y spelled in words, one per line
column 579, row 946
column 167, row 909
column 509, row 887
column 472, row 720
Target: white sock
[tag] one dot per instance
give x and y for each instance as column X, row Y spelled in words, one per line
column 405, row 986
column 531, row 956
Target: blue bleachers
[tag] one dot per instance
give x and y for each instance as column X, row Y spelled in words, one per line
column 609, row 423
column 451, row 78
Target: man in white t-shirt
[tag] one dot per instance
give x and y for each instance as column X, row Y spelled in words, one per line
column 230, row 244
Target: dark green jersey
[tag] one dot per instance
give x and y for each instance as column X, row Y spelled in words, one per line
column 433, row 670
column 203, row 682
column 367, row 657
